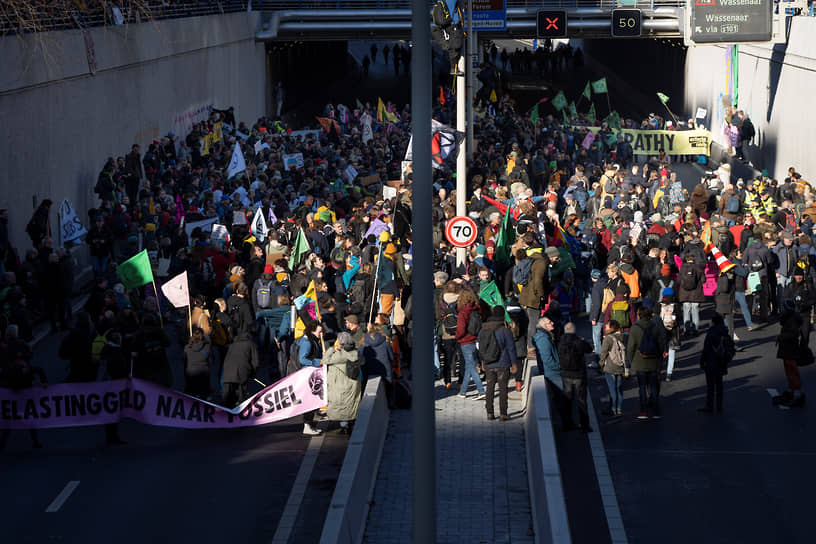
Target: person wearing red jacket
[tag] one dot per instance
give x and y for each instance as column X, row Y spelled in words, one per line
column 466, row 305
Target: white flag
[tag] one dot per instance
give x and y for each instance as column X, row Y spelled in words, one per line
column 177, row 291
column 70, row 226
column 258, row 227
column 237, row 163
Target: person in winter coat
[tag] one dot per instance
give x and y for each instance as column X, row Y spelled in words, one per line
column 242, row 318
column 803, row 294
column 310, row 354
column 595, row 310
column 466, row 305
column 790, row 350
column 699, row 200
column 498, row 371
column 613, row 365
column 240, row 365
column 757, row 258
column 536, row 288
column 197, row 365
column 690, row 293
column 200, row 316
column 645, row 355
column 669, row 311
column 546, row 352
column 117, row 366
column 76, row 348
column 378, row 356
column 663, row 281
column 724, row 299
column 620, row 309
column 787, row 257
column 17, row 373
column 100, row 241
column 446, row 315
column 344, row 391
column 718, row 350
column 571, row 351
column 151, row 356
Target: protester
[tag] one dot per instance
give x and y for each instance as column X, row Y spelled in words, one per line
column 613, row 365
column 497, row 352
column 240, row 365
column 790, row 350
column 468, row 324
column 196, row 365
column 343, row 381
column 645, row 350
column 718, row 351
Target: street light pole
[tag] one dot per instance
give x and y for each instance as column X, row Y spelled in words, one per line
column 423, row 421
column 461, row 158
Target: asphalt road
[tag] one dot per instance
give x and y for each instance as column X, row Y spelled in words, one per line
column 165, row 485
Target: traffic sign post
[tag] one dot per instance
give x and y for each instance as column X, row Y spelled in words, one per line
column 551, row 23
column 730, row 21
column 626, row 23
column 461, row 231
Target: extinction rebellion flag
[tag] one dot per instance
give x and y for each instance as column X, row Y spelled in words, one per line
column 445, row 143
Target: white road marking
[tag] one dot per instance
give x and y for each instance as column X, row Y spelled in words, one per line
column 63, row 496
column 287, row 521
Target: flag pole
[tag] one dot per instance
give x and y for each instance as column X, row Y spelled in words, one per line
column 260, row 382
column 158, row 304
column 376, row 278
column 190, row 319
column 608, row 102
column 670, row 113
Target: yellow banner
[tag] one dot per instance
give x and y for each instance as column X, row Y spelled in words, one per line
column 673, row 142
column 208, row 141
column 217, row 132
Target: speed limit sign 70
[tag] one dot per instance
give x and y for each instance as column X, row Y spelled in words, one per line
column 461, row 231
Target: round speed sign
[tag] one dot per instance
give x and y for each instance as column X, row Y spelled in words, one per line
column 461, row 231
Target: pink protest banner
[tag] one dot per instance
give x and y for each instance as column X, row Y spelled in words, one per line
column 588, row 140
column 96, row 403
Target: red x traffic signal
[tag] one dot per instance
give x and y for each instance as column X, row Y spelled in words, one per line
column 551, row 24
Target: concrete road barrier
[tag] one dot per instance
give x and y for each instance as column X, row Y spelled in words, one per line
column 348, row 511
column 547, row 501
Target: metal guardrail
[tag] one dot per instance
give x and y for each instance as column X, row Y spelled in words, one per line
column 48, row 16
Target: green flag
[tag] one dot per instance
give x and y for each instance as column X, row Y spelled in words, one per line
column 301, row 247
column 614, row 120
column 534, row 115
column 599, row 87
column 663, row 98
column 360, row 105
column 591, row 113
column 491, row 295
column 136, row 271
column 505, row 240
column 587, row 93
column 560, row 101
column 611, row 139
column 572, row 109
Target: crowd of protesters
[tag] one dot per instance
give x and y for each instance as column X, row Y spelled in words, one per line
column 563, row 230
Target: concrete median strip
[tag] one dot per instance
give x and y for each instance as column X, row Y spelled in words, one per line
column 346, row 519
column 548, row 504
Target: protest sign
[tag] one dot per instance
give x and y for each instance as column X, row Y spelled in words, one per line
column 701, row 113
column 70, row 226
column 97, row 403
column 293, row 160
column 351, row 173
column 219, row 233
column 258, row 227
column 177, row 290
column 674, row 142
column 389, row 192
column 588, row 140
column 369, row 180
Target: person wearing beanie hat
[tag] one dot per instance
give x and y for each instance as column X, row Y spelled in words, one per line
column 343, row 385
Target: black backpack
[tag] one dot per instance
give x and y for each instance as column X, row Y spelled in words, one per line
column 294, row 359
column 353, row 369
column 474, row 324
column 489, row 350
column 689, row 279
column 648, row 347
column 441, row 14
column 747, row 131
column 449, row 317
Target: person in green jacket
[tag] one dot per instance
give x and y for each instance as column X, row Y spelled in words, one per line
column 646, row 349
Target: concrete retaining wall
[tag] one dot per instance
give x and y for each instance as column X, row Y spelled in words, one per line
column 348, row 511
column 547, row 500
column 775, row 86
column 60, row 122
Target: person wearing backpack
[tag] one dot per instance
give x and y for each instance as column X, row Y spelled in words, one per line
column 468, row 324
column 571, row 351
column 497, row 351
column 239, row 310
column 756, row 258
column 536, row 288
column 790, row 349
column 690, row 293
column 645, row 350
column 343, row 385
column 595, row 309
column 265, row 290
column 729, row 207
column 447, row 315
column 787, row 257
column 620, row 309
column 613, row 365
column 669, row 310
column 718, row 351
column 240, row 366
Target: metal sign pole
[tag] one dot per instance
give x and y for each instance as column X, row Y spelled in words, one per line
column 422, row 409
